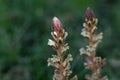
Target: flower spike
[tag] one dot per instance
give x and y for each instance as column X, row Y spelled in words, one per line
column 61, row 65
column 92, row 62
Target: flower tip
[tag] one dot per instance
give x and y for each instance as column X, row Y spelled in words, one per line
column 56, row 24
column 55, row 18
column 89, row 13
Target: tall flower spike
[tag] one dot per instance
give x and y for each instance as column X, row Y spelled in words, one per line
column 62, row 66
column 92, row 62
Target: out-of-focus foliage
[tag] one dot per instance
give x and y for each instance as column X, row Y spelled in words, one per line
column 25, row 30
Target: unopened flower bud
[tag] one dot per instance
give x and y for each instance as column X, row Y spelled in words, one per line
column 56, row 25
column 89, row 14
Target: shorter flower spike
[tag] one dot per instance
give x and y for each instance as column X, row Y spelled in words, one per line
column 92, row 62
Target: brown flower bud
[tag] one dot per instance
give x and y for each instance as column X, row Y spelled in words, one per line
column 89, row 14
column 56, row 25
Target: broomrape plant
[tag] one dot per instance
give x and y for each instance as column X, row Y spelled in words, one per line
column 92, row 62
column 62, row 66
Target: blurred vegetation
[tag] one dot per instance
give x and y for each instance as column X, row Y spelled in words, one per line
column 25, row 30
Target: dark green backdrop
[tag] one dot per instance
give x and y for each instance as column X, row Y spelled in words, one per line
column 25, row 30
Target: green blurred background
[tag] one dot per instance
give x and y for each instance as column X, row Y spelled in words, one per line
column 25, row 30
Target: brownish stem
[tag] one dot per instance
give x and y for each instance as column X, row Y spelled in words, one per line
column 60, row 54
